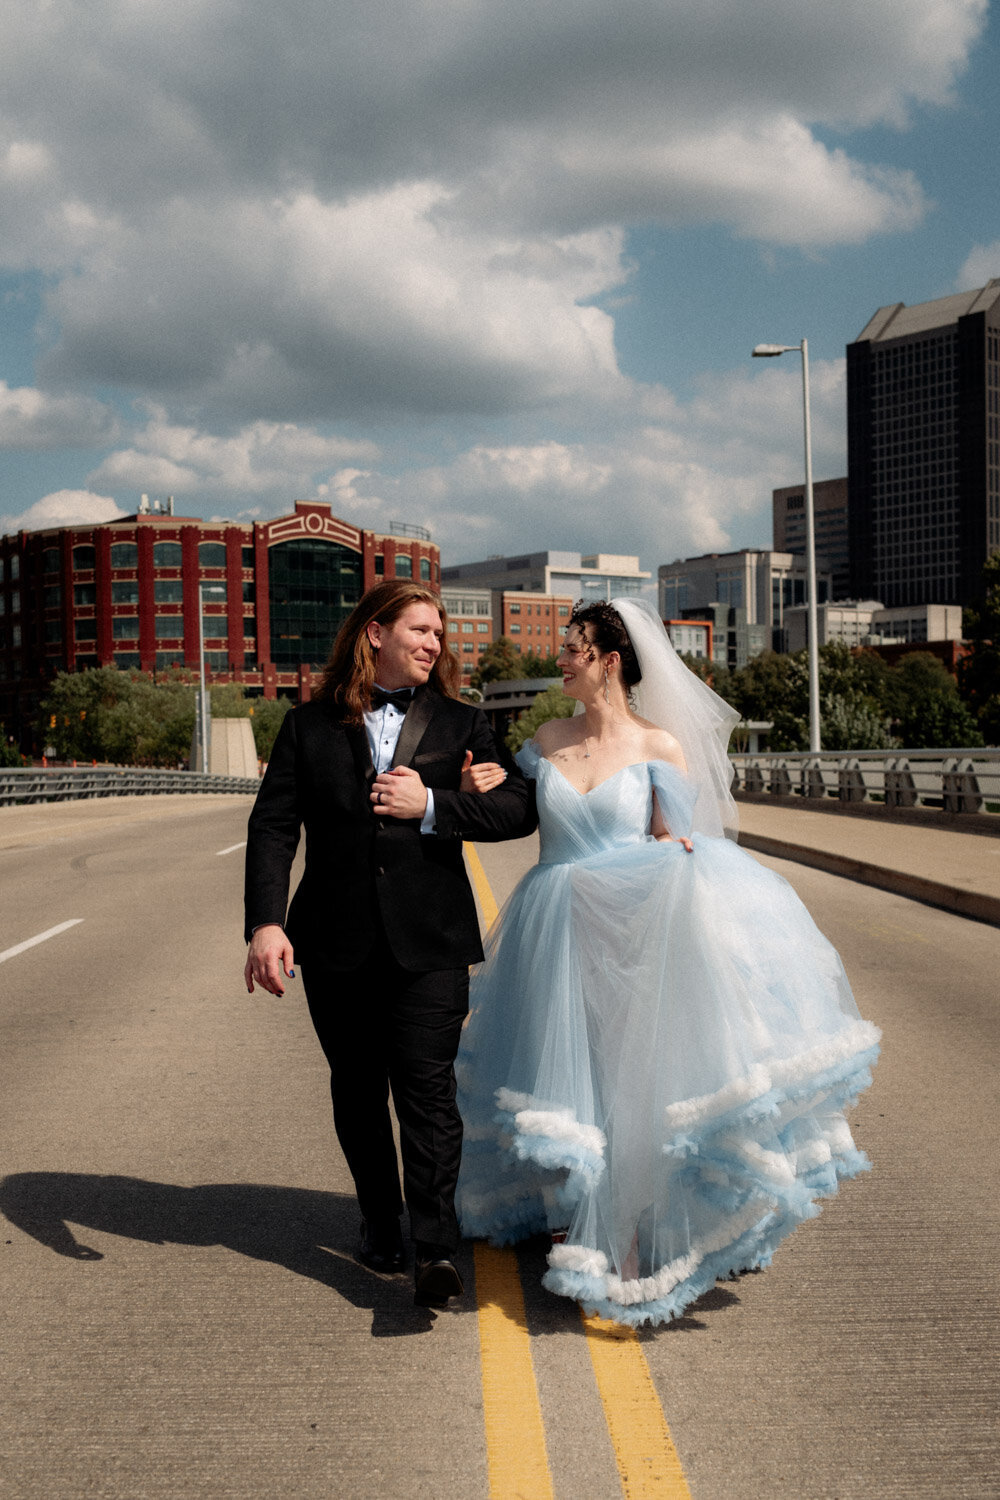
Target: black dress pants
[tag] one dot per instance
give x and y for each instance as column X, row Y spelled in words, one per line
column 385, row 1028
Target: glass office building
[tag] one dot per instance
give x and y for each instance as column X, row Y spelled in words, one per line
column 923, row 419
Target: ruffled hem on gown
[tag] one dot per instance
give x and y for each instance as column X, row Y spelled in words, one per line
column 661, row 1048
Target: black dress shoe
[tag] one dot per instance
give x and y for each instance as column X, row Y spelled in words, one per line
column 381, row 1247
column 434, row 1281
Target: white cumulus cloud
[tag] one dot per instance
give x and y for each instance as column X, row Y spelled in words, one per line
column 63, row 508
column 980, row 266
column 316, row 212
column 31, row 420
column 277, row 460
column 669, row 478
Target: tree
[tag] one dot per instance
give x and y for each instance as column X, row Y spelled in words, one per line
column 979, row 671
column 552, row 704
column 853, row 715
column 267, row 716
column 500, row 662
column 717, row 676
column 10, row 755
column 774, row 688
column 925, row 706
column 126, row 718
column 533, row 665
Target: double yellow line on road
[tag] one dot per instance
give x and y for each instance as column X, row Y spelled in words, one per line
column 648, row 1465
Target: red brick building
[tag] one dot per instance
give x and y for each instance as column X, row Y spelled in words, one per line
column 470, row 625
column 534, row 622
column 126, row 594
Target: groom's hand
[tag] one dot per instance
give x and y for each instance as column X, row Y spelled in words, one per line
column 270, row 953
column 399, row 793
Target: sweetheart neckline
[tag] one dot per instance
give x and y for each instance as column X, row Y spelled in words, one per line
column 621, row 770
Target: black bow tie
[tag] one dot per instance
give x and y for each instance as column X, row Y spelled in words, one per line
column 400, row 699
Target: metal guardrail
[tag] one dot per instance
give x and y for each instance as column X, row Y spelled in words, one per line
column 19, row 785
column 953, row 781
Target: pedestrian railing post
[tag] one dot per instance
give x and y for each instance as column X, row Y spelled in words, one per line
column 960, row 787
column 850, row 782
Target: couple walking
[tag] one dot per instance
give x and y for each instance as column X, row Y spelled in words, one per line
column 661, row 1043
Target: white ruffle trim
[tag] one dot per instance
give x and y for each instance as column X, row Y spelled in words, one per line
column 652, row 1288
column 554, row 1124
column 579, row 1258
column 781, row 1074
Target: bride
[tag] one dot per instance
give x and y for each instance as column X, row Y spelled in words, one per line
column 661, row 1043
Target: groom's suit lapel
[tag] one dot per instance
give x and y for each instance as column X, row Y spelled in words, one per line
column 418, row 717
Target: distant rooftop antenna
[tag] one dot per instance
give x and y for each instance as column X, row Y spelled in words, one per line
column 156, row 507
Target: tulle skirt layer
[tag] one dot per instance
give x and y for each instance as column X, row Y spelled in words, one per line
column 660, row 1052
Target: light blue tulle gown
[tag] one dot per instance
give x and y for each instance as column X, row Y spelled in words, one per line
column 659, row 1054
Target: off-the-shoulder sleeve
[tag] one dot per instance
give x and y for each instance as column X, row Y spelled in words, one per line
column 527, row 759
column 675, row 795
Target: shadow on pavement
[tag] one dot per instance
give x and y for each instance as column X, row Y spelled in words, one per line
column 308, row 1232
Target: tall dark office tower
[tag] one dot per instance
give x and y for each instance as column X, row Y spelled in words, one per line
column 923, row 449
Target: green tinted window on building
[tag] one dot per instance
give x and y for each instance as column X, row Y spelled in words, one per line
column 313, row 587
column 167, row 554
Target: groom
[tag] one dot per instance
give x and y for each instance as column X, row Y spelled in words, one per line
column 384, row 921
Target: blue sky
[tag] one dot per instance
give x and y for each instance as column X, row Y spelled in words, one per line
column 489, row 267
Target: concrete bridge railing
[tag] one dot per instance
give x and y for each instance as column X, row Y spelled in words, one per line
column 952, row 781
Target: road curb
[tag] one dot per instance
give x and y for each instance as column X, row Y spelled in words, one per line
column 977, row 905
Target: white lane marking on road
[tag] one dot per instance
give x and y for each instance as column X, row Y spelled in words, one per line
column 41, row 938
column 232, row 848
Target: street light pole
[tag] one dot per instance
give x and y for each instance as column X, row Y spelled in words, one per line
column 203, row 715
column 769, row 351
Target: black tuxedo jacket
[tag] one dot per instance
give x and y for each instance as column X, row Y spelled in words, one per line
column 365, row 874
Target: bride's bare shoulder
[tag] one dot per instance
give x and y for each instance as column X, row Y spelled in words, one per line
column 554, row 734
column 661, row 745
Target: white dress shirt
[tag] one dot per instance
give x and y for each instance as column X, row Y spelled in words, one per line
column 383, row 727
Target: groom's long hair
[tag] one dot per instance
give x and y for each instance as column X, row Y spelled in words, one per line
column 352, row 668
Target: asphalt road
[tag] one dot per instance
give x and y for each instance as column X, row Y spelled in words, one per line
column 183, row 1316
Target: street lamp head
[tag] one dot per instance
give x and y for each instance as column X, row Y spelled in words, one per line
column 768, row 351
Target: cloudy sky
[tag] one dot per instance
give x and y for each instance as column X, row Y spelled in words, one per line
column 490, row 266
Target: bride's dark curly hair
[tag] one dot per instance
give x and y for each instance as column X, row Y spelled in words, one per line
column 607, row 633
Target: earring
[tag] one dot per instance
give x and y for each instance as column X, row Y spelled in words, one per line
column 607, row 695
